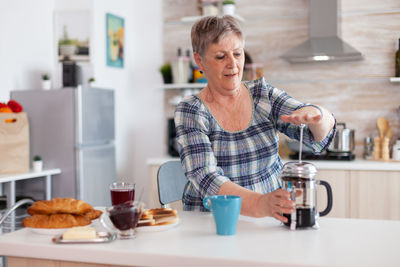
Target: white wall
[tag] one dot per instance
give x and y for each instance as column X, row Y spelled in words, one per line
column 139, row 102
column 26, row 44
column 27, row 50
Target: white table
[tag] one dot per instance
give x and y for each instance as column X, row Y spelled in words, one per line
column 10, row 179
column 258, row 242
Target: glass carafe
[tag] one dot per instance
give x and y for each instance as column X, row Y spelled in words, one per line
column 298, row 179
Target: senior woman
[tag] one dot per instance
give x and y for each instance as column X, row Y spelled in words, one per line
column 227, row 134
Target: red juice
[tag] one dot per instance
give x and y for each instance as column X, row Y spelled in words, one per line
column 121, row 195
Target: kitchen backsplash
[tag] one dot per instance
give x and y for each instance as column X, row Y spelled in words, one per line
column 356, row 92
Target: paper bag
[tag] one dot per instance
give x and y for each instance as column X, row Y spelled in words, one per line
column 14, row 143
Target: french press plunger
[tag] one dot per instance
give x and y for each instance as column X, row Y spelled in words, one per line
column 298, row 177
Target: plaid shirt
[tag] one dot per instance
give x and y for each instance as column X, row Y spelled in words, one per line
column 211, row 155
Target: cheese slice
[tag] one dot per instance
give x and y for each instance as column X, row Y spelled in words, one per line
column 75, row 233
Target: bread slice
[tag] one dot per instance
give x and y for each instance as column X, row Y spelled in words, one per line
column 167, row 220
column 156, row 217
column 146, row 216
column 150, row 222
column 162, row 211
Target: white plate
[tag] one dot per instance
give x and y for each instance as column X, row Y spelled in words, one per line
column 47, row 231
column 156, row 228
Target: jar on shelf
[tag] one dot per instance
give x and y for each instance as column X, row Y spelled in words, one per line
column 396, row 150
column 210, row 7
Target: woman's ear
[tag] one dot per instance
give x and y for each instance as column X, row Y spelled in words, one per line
column 198, row 60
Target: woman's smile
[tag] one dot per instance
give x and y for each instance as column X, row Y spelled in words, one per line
column 231, row 75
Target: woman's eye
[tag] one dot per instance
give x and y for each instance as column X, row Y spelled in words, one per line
column 237, row 54
column 220, row 57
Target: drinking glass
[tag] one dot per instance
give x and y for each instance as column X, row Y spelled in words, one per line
column 125, row 217
column 122, row 192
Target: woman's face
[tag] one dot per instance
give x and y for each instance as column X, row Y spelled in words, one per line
column 223, row 63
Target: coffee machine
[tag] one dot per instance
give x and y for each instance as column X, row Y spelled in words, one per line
column 298, row 179
column 71, row 74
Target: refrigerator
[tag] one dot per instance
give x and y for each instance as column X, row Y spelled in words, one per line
column 72, row 129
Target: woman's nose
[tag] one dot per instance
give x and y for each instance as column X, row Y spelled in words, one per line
column 231, row 62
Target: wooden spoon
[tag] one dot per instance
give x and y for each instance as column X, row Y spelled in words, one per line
column 382, row 124
column 389, row 132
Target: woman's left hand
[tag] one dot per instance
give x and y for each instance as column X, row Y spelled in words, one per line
column 306, row 115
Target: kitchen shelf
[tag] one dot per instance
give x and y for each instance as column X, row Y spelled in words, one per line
column 191, row 19
column 184, row 86
column 75, row 58
column 395, row 79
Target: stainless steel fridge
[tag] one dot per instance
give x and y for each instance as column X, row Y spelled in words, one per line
column 72, row 129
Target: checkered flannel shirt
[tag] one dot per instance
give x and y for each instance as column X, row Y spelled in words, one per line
column 211, row 155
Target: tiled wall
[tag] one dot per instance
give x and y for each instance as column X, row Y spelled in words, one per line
column 356, row 92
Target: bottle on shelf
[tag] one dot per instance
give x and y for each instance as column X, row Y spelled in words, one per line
column 180, row 68
column 191, row 66
column 398, row 61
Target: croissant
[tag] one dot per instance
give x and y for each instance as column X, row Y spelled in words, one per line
column 93, row 214
column 55, row 221
column 60, row 205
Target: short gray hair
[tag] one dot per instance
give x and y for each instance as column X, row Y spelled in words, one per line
column 211, row 29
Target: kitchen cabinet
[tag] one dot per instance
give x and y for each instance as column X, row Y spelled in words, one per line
column 339, row 181
column 375, row 195
column 362, row 194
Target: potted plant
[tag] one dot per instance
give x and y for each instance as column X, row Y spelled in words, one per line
column 37, row 164
column 228, row 7
column 46, row 83
column 166, row 71
column 91, row 82
column 67, row 46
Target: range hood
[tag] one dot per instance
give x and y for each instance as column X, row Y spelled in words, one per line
column 324, row 43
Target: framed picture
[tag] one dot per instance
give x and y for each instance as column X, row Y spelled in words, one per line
column 115, row 41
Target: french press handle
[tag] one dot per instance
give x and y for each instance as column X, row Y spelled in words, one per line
column 329, row 193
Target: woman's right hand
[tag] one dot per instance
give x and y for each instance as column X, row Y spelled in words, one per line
column 275, row 203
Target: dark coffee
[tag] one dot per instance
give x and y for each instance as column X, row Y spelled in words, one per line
column 305, row 217
column 124, row 217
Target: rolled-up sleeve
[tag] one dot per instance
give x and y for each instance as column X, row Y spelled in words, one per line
column 195, row 150
column 277, row 103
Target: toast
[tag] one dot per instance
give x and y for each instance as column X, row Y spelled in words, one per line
column 150, row 222
column 157, row 217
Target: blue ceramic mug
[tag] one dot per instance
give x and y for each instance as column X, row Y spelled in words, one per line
column 226, row 210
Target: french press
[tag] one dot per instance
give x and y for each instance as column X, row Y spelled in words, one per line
column 298, row 179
